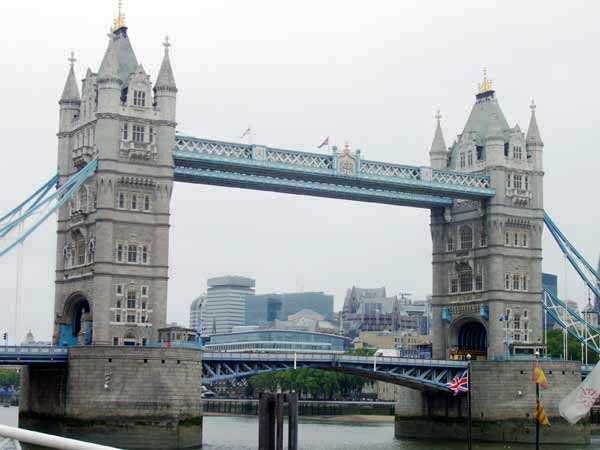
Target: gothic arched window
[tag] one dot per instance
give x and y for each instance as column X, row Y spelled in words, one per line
column 465, row 280
column 466, row 237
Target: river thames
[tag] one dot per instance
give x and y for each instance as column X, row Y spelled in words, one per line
column 241, row 433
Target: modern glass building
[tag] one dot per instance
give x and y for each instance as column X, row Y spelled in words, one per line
column 265, row 309
column 225, row 303
column 196, row 314
column 278, row 341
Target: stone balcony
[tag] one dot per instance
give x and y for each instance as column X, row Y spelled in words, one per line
column 83, row 155
column 139, row 150
column 519, row 197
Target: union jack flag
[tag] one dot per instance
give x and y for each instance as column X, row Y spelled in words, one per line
column 460, row 383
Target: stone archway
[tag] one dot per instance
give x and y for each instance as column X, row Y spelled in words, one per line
column 76, row 328
column 469, row 337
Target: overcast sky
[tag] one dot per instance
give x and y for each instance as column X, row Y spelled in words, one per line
column 370, row 73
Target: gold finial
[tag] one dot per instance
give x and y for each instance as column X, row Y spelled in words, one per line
column 486, row 84
column 119, row 21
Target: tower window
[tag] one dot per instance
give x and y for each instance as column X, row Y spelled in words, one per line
column 508, row 177
column 516, row 282
column 507, row 281
column 462, row 160
column 138, row 133
column 518, row 182
column 125, row 131
column 119, row 253
column 151, row 131
column 506, row 238
column 130, row 318
column 526, row 183
column 139, row 98
column 144, row 255
column 466, row 280
column 524, row 283
column 517, row 152
column 115, row 341
column 466, row 238
column 454, row 285
column 132, row 254
column 121, row 200
column 80, row 251
column 131, row 298
column 117, row 318
column 134, row 201
column 450, row 243
column 144, row 293
column 470, row 158
column 483, row 236
column 524, row 240
column 119, row 289
column 146, row 203
column 516, row 241
column 118, row 303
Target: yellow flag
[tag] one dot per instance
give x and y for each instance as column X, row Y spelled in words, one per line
column 540, row 415
column 539, row 376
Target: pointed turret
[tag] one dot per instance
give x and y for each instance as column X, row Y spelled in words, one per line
column 533, row 132
column 109, row 83
column 70, row 100
column 71, row 90
column 533, row 141
column 165, row 89
column 438, row 154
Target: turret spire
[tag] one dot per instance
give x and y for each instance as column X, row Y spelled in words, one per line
column 166, row 79
column 71, row 90
column 438, row 154
column 533, row 133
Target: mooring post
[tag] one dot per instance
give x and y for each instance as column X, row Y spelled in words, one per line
column 292, row 399
column 279, row 401
column 266, row 421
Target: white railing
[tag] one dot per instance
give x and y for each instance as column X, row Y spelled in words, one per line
column 15, row 435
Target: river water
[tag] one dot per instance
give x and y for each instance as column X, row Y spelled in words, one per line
column 241, row 433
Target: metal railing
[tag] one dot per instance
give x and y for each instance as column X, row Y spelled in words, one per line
column 13, row 436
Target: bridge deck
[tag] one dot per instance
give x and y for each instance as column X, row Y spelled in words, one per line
column 264, row 168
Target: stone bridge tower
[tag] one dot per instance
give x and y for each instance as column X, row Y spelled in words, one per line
column 113, row 236
column 487, row 256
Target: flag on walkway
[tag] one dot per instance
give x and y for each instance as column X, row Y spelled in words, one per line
column 324, row 143
column 246, row 133
column 460, row 383
column 505, row 317
column 578, row 403
column 540, row 414
column 539, row 376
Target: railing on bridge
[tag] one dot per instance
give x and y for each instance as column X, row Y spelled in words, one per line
column 17, row 355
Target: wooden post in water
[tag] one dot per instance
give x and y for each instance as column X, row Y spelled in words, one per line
column 270, row 421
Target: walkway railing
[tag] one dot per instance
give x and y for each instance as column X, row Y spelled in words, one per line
column 12, row 436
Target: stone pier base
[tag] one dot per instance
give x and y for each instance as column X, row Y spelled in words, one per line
column 503, row 404
column 127, row 397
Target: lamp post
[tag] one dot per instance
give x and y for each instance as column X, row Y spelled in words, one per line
column 469, row 429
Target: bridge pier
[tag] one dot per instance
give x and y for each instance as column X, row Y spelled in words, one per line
column 128, row 397
column 503, row 404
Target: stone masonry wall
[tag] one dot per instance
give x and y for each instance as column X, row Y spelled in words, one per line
column 503, row 404
column 134, row 383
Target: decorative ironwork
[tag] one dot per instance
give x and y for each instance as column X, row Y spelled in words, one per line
column 300, row 159
column 389, row 170
column 217, row 148
column 460, row 179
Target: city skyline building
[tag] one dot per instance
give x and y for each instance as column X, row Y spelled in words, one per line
column 225, row 303
column 196, row 314
column 266, row 308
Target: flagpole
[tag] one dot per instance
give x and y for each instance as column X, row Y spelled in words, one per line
column 537, row 400
column 469, row 429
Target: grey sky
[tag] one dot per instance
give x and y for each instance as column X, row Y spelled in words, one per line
column 371, row 73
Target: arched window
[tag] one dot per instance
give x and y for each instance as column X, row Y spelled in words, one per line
column 131, row 298
column 450, row 243
column 80, row 250
column 132, row 253
column 466, row 238
column 462, row 160
column 83, row 199
column 470, row 158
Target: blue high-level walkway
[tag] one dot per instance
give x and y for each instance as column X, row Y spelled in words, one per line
column 26, row 355
column 342, row 174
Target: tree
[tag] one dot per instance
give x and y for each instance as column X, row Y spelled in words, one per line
column 9, row 378
column 556, row 347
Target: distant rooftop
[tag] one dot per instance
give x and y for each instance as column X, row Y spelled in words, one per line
column 231, row 280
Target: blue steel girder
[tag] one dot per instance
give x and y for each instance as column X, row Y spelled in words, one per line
column 259, row 167
column 27, row 355
column 413, row 373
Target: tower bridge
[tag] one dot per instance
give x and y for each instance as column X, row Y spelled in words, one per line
column 118, row 157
